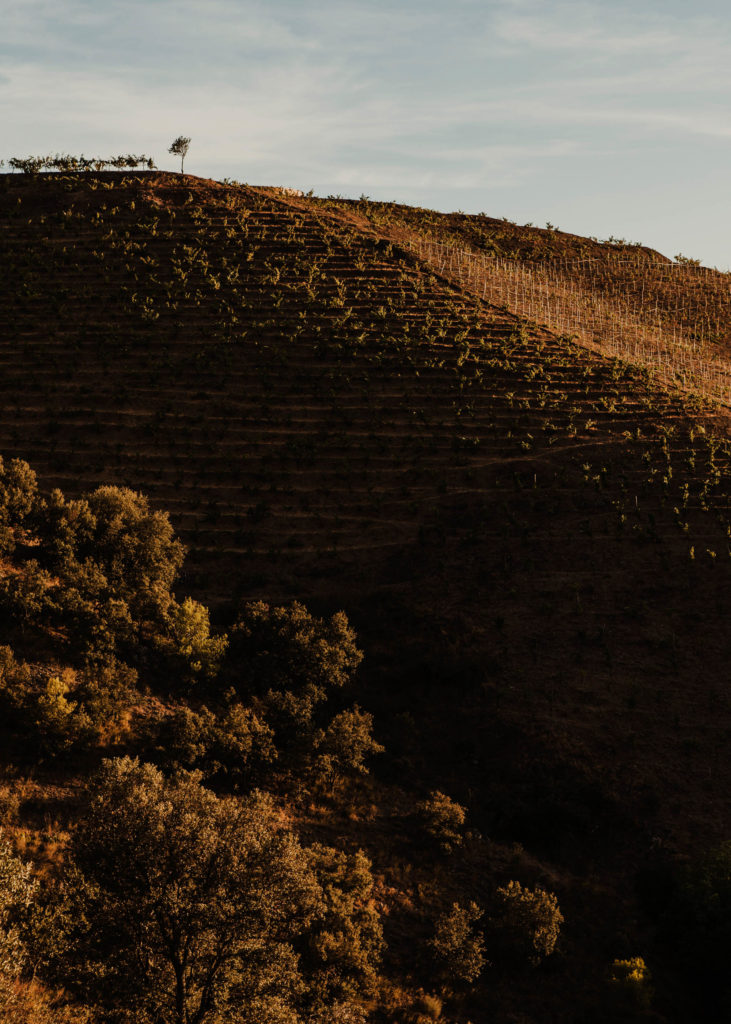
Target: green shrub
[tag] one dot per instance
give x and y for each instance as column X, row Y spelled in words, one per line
column 135, row 547
column 105, row 691
column 60, row 723
column 457, row 950
column 526, row 922
column 196, row 655
column 234, row 741
column 342, row 748
column 29, row 596
column 65, row 527
column 17, row 893
column 113, row 533
column 443, row 820
column 292, row 656
column 632, row 982
column 18, row 497
column 346, row 937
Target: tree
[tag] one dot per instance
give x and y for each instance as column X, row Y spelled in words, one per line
column 342, row 748
column 135, row 547
column 443, row 820
column 458, row 951
column 526, row 922
column 182, row 906
column 180, row 148
column 18, row 497
column 292, row 657
column 346, row 939
column 197, row 653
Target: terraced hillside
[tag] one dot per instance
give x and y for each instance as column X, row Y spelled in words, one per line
column 531, row 539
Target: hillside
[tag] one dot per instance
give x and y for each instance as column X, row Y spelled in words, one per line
column 530, row 537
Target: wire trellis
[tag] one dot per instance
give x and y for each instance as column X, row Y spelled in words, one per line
column 670, row 317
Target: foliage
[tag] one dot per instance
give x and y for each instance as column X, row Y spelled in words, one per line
column 443, row 820
column 17, row 891
column 105, row 691
column 135, row 547
column 15, row 684
column 234, row 741
column 60, row 722
column 184, row 905
column 346, row 937
column 343, row 747
column 65, row 525
column 195, row 652
column 526, row 922
column 18, row 496
column 457, row 950
column 59, row 711
column 116, row 560
column 632, row 981
column 292, row 657
column 97, row 621
column 66, row 162
column 113, row 532
column 28, row 595
column 28, row 1002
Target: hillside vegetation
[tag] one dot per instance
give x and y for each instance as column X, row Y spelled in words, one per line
column 515, row 807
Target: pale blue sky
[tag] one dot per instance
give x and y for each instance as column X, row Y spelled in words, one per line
column 605, row 118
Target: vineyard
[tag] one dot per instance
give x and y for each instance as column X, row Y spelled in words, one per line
column 508, row 461
column 672, row 318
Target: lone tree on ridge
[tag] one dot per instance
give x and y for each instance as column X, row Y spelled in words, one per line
column 180, row 148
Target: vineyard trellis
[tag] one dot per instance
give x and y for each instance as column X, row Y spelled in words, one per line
column 669, row 317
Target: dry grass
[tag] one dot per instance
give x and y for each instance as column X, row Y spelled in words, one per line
column 30, row 1002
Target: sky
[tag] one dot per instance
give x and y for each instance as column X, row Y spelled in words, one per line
column 602, row 117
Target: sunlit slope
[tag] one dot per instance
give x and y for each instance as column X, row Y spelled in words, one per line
column 327, row 419
column 621, row 298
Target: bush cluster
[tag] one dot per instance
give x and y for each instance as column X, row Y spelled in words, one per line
column 66, row 162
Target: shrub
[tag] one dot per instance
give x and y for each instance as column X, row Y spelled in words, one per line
column 66, row 525
column 343, row 747
column 60, row 722
column 526, row 922
column 631, row 981
column 458, row 952
column 293, row 655
column 235, row 741
column 17, row 892
column 28, row 1002
column 443, row 820
column 18, row 496
column 196, row 654
column 99, row 624
column 346, row 939
column 28, row 596
column 135, row 547
column 105, row 692
column 427, row 1007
